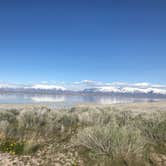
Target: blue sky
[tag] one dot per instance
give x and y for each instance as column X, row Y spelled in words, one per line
column 110, row 41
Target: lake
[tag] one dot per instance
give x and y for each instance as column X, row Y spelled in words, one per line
column 62, row 101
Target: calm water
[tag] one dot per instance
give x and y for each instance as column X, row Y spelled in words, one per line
column 67, row 100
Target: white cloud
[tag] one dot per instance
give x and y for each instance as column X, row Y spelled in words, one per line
column 76, row 82
column 91, row 82
column 142, row 84
column 159, row 86
column 44, row 82
column 88, row 81
column 118, row 83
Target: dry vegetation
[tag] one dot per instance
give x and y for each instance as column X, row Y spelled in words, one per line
column 85, row 135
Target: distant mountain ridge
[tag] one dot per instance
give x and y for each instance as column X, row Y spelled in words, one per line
column 126, row 90
column 87, row 87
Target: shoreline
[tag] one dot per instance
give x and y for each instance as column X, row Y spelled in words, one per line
column 134, row 105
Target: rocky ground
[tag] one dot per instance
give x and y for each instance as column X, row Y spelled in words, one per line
column 61, row 155
column 46, row 158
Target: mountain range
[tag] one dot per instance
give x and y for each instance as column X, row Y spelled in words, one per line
column 87, row 86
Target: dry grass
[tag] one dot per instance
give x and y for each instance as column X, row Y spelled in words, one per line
column 101, row 135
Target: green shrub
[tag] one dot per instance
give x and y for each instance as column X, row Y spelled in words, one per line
column 12, row 147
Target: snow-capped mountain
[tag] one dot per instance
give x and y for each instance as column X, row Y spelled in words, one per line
column 35, row 88
column 87, row 86
column 124, row 90
column 45, row 87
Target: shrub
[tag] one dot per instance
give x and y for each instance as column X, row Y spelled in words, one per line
column 31, row 147
column 113, row 141
column 34, row 118
column 153, row 127
column 11, row 146
column 8, row 115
